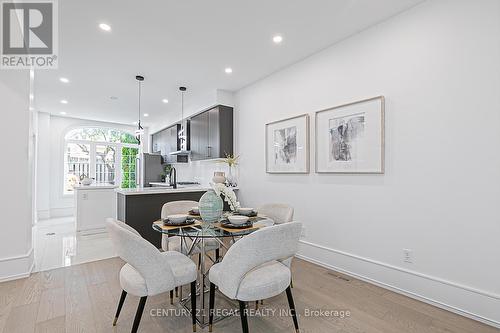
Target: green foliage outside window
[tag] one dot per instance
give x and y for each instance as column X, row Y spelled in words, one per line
column 128, row 162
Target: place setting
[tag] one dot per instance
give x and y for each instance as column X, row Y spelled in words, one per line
column 176, row 221
column 242, row 218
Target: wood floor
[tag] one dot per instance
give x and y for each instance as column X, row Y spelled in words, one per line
column 83, row 298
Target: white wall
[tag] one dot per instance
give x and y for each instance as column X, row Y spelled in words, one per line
column 43, row 166
column 438, row 65
column 16, row 252
column 51, row 202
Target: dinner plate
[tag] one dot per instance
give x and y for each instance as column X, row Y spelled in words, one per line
column 227, row 224
column 188, row 221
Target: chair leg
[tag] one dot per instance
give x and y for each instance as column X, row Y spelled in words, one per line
column 176, row 291
column 193, row 304
column 217, row 255
column 138, row 314
column 120, row 304
column 243, row 316
column 292, row 308
column 211, row 307
column 199, row 260
column 256, row 305
column 291, row 283
column 171, row 297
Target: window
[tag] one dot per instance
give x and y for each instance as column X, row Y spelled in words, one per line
column 107, row 155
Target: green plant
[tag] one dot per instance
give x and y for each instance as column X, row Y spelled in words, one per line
column 166, row 169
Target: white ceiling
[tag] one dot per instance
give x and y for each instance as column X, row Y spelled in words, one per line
column 187, row 42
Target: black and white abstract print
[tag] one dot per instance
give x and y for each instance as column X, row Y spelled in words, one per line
column 346, row 135
column 285, row 146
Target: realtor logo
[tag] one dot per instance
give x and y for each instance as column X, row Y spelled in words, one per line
column 29, row 34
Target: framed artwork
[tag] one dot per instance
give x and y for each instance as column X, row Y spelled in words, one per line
column 287, row 145
column 350, row 137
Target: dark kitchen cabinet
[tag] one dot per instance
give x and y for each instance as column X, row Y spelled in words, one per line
column 211, row 133
column 165, row 142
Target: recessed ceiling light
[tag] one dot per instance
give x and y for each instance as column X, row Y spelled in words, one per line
column 146, row 115
column 63, row 80
column 277, row 39
column 32, row 108
column 228, row 70
column 62, row 113
column 63, row 101
column 105, row 27
column 32, row 96
column 165, row 100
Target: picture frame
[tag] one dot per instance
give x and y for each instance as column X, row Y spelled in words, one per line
column 350, row 138
column 288, row 145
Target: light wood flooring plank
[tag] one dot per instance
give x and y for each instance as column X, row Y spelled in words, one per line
column 54, row 325
column 83, row 298
column 8, row 295
column 22, row 319
column 52, row 304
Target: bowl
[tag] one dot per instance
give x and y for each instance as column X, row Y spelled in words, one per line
column 237, row 219
column 177, row 218
column 195, row 210
column 87, row 181
column 245, row 211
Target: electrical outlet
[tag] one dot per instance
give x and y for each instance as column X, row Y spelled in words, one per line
column 303, row 232
column 408, row 256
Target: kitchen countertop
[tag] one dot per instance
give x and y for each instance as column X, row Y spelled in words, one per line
column 95, row 187
column 161, row 190
column 163, row 184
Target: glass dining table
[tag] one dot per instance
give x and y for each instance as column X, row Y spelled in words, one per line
column 195, row 236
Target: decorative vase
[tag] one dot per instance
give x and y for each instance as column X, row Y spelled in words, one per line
column 219, row 177
column 231, row 179
column 210, row 206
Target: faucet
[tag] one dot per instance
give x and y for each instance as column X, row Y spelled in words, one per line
column 173, row 177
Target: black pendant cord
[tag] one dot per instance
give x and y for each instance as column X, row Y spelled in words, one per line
column 139, row 107
column 139, row 79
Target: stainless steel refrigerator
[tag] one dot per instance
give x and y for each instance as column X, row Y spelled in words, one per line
column 150, row 169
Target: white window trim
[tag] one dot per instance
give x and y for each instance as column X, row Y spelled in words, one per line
column 92, row 159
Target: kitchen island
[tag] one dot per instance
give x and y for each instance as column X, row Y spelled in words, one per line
column 93, row 204
column 140, row 207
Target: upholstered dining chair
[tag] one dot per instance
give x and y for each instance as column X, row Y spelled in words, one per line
column 253, row 269
column 148, row 271
column 278, row 212
column 174, row 243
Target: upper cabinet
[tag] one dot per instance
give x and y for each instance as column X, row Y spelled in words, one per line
column 165, row 142
column 211, row 133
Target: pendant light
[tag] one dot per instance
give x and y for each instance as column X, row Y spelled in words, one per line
column 183, row 131
column 140, row 130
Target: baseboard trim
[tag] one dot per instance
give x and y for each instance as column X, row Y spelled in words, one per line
column 18, row 267
column 425, row 276
column 441, row 304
